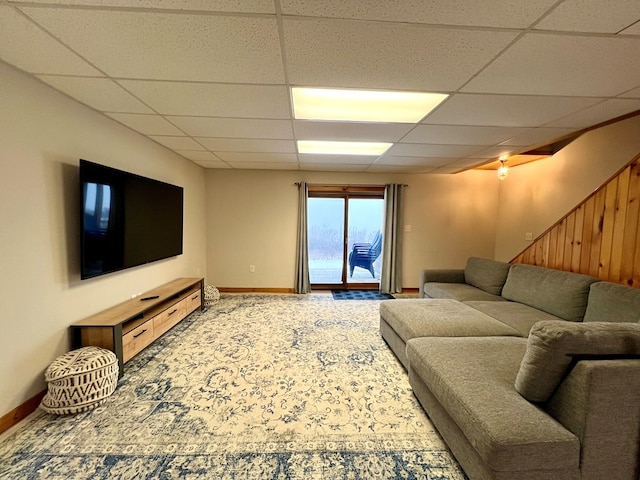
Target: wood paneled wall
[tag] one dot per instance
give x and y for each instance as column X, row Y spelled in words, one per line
column 600, row 236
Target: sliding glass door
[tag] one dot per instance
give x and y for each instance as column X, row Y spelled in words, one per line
column 345, row 239
column 326, row 240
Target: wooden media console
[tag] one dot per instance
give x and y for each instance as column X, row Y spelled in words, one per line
column 127, row 328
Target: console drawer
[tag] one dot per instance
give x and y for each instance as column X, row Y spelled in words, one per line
column 194, row 300
column 168, row 318
column 136, row 340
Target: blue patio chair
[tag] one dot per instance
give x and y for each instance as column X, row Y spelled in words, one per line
column 364, row 254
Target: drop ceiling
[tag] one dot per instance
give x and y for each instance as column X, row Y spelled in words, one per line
column 211, row 79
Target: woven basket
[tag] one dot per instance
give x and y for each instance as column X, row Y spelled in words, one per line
column 80, row 380
column 211, row 295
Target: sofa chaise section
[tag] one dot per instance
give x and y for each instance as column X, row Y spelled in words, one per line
column 562, row 404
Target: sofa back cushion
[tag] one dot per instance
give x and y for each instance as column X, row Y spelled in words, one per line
column 485, row 274
column 611, row 302
column 553, row 345
column 563, row 294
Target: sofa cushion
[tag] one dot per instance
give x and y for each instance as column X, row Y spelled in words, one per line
column 611, row 302
column 485, row 274
column 563, row 294
column 518, row 316
column 553, row 346
column 472, row 378
column 458, row 291
column 411, row 318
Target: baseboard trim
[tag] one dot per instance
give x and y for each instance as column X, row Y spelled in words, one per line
column 254, row 290
column 21, row 412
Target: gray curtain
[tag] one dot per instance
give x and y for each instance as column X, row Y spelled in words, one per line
column 391, row 276
column 303, row 284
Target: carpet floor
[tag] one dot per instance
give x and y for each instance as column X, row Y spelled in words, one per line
column 279, row 387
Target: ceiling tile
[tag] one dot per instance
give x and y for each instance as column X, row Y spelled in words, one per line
column 213, row 100
column 234, row 127
column 446, row 170
column 177, row 143
column 430, row 150
column 632, row 30
column 545, row 64
column 263, row 166
column 497, row 13
column 245, row 6
column 598, row 113
column 536, row 136
column 211, row 164
column 26, row 46
column 591, row 16
column 506, row 110
column 257, row 157
column 470, row 163
column 336, row 159
column 351, row 131
column 413, row 161
column 460, row 135
column 146, row 124
column 197, row 155
column 143, row 45
column 635, row 93
column 331, row 167
column 340, row 53
column 100, row 93
column 494, row 152
column 398, row 169
column 247, row 145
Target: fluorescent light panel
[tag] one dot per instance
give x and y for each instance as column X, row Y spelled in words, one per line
column 343, row 148
column 363, row 105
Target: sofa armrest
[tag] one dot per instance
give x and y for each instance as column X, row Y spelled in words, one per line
column 440, row 276
column 598, row 402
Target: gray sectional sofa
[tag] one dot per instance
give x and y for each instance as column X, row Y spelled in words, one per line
column 528, row 373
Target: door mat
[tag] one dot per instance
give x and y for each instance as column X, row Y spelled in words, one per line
column 359, row 295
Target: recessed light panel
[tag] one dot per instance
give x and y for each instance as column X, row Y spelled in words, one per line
column 363, row 105
column 342, row 148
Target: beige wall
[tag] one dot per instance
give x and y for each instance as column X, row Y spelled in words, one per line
column 537, row 195
column 44, row 133
column 252, row 215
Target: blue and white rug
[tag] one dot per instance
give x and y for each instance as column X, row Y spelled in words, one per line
column 258, row 387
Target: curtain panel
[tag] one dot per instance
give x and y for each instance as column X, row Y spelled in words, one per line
column 302, row 282
column 391, row 276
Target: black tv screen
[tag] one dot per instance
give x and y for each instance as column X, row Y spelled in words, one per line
column 127, row 220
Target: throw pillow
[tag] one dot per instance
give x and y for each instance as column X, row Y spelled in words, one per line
column 554, row 344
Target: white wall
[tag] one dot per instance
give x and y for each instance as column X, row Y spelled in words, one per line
column 535, row 196
column 252, row 215
column 44, row 133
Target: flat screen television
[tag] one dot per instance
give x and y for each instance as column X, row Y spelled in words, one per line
column 126, row 220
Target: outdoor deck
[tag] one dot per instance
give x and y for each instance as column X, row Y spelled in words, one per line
column 330, row 271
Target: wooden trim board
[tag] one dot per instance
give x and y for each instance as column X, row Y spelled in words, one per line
column 21, row 412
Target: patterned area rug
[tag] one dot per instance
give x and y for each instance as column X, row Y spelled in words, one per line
column 257, row 387
column 359, row 295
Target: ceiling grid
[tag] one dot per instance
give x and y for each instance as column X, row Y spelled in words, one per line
column 212, row 80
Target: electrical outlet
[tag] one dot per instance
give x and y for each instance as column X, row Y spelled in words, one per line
column 252, row 268
column 528, row 236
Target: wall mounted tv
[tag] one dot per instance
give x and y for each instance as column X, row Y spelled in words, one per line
column 127, row 220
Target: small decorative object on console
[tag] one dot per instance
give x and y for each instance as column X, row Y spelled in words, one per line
column 80, row 380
